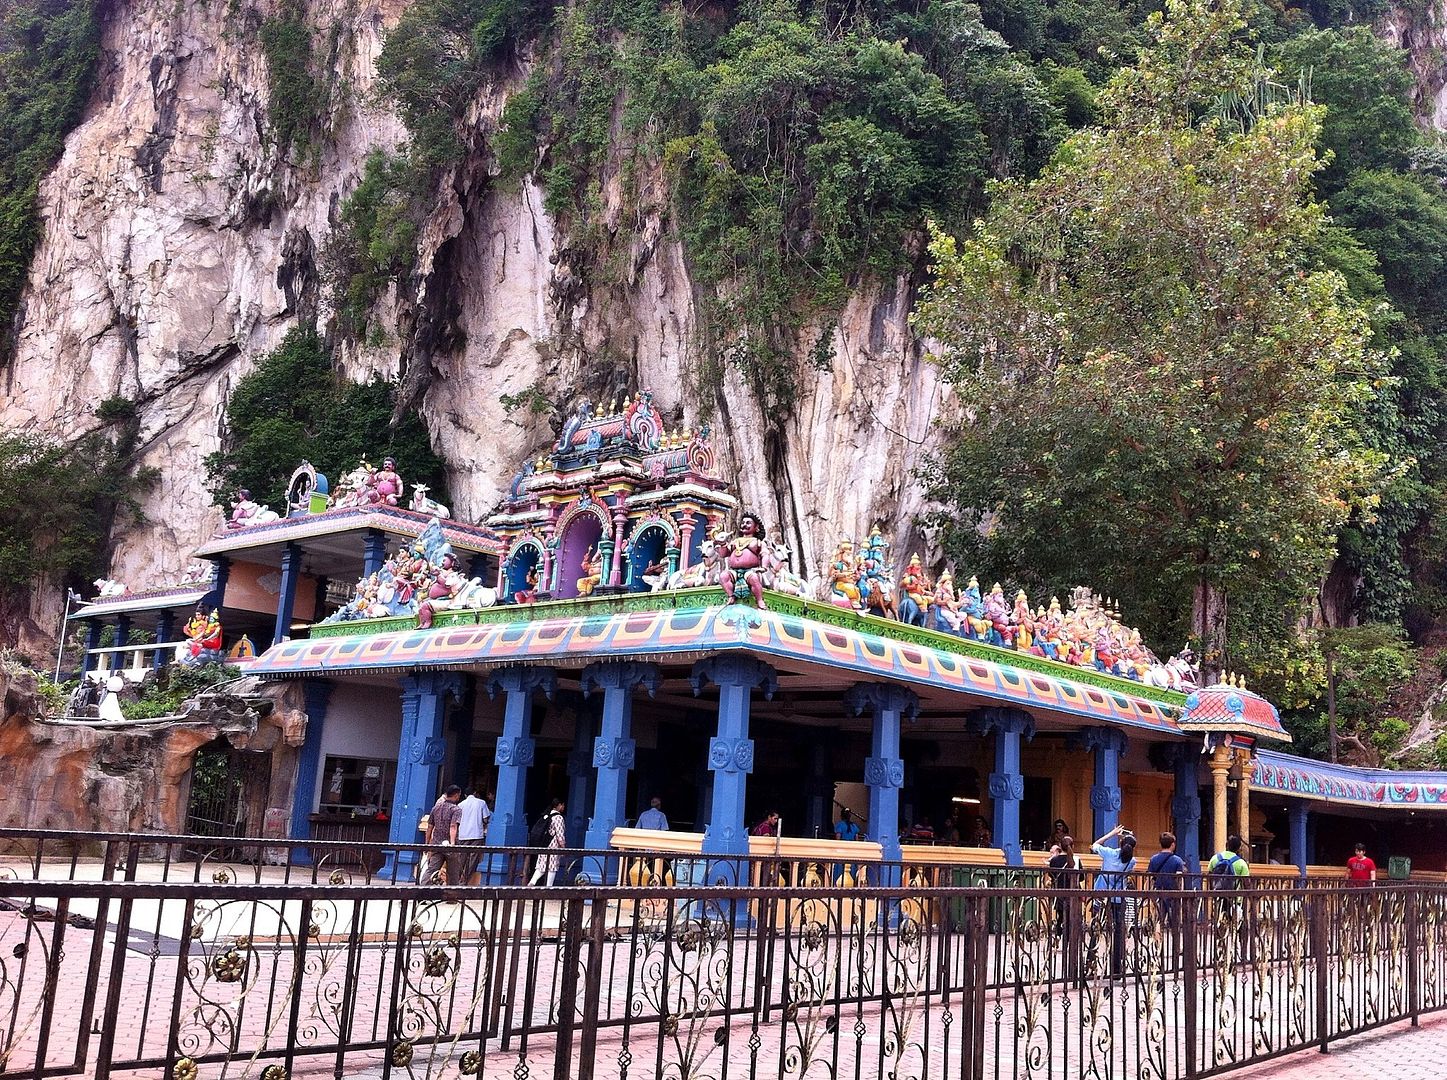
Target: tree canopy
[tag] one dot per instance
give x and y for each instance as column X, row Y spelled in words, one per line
column 295, row 406
column 1160, row 393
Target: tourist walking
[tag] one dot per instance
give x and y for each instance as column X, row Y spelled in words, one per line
column 557, row 838
column 474, row 814
column 1361, row 871
column 654, row 817
column 1115, row 863
column 442, row 825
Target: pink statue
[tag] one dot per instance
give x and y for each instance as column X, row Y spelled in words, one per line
column 386, row 484
column 245, row 511
column 744, row 558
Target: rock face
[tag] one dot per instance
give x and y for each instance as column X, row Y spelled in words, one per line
column 181, row 245
column 79, row 779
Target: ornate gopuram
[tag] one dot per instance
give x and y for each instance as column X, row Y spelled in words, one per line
column 618, row 504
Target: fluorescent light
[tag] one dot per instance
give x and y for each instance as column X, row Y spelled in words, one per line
column 966, row 800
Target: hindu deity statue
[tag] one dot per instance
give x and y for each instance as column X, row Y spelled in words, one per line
column 1023, row 623
column 976, row 624
column 442, row 590
column 876, row 583
column 843, row 575
column 946, row 608
column 528, row 594
column 246, row 511
column 592, row 573
column 915, row 593
column 998, row 614
column 745, row 558
column 386, row 484
column 203, row 638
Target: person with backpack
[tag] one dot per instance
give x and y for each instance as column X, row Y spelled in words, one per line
column 1115, row 864
column 549, row 831
column 1228, row 869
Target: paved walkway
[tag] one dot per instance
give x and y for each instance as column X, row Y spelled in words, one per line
column 1399, row 1052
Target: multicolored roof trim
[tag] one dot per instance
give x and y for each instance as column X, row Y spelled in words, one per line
column 1345, row 783
column 394, row 519
column 687, row 633
column 1232, row 708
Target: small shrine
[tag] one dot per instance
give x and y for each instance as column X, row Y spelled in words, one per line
column 619, row 504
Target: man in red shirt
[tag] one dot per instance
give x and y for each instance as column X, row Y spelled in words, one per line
column 1361, row 871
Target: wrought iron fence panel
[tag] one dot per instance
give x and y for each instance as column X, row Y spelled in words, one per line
column 210, row 974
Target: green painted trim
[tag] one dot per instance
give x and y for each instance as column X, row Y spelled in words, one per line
column 713, row 596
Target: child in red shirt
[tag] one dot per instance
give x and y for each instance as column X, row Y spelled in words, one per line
column 1360, row 869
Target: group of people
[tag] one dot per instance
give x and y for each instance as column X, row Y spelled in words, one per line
column 457, row 827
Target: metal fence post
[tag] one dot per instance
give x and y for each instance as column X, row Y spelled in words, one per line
column 592, row 986
column 1190, row 959
column 1413, row 900
column 1321, row 949
column 570, row 948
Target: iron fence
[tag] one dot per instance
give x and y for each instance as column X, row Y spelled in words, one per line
column 225, row 976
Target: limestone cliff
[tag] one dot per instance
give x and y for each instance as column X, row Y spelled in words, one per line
column 180, row 245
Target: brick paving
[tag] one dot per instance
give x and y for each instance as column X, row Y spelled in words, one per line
column 1398, row 1052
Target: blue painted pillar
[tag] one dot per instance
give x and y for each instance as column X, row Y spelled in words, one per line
column 219, row 580
column 1186, row 805
column 286, row 595
column 730, row 754
column 304, row 793
column 374, row 551
column 92, row 642
column 1007, row 784
column 1298, row 817
column 419, row 753
column 1108, row 744
column 165, row 626
column 820, row 790
column 580, row 774
column 515, row 749
column 123, row 637
column 884, row 768
column 613, row 754
column 461, row 731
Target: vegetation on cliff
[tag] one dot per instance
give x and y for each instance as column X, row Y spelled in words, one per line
column 48, row 51
column 59, row 502
column 295, row 405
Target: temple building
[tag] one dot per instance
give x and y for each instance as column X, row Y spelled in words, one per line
column 619, row 631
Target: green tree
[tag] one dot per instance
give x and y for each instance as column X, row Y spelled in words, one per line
column 48, row 51
column 59, row 502
column 1156, row 389
column 295, row 406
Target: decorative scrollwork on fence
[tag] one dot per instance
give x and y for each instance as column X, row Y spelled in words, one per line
column 682, row 976
column 25, row 962
column 443, row 978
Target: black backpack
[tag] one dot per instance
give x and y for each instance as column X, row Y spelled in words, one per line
column 1223, row 874
column 540, row 835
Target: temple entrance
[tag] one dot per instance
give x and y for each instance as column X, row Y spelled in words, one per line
column 225, row 782
column 579, row 542
column 649, row 546
column 523, row 562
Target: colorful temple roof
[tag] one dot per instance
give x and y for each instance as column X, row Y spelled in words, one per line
column 1386, row 788
column 489, row 638
column 1234, row 708
column 391, row 519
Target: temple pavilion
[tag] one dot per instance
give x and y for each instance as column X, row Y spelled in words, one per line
column 528, row 656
